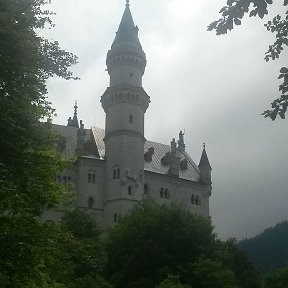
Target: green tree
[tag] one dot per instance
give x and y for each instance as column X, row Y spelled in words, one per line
column 172, row 282
column 79, row 257
column 230, row 255
column 233, row 13
column 155, row 241
column 277, row 279
column 28, row 161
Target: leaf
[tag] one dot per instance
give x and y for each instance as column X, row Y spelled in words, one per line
column 237, row 21
column 284, row 70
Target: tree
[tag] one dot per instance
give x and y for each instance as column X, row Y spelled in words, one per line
column 172, row 282
column 28, row 161
column 155, row 241
column 277, row 279
column 233, row 13
column 79, row 257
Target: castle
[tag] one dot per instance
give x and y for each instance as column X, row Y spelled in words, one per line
column 117, row 167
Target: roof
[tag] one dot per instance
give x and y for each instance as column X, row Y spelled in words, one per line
column 204, row 162
column 127, row 31
column 155, row 166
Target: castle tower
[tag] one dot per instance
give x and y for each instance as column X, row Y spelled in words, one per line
column 125, row 103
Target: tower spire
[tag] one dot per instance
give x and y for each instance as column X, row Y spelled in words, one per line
column 74, row 122
column 127, row 3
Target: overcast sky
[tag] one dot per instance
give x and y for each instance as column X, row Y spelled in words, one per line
column 214, row 87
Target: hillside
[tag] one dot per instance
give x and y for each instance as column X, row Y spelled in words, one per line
column 268, row 250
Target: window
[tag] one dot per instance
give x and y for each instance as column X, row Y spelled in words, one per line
column 130, row 119
column 195, row 200
column 166, row 194
column 116, row 173
column 90, row 202
column 115, row 217
column 129, row 190
column 146, row 188
column 92, row 176
column 162, row 192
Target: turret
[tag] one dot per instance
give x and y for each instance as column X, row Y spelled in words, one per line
column 205, row 168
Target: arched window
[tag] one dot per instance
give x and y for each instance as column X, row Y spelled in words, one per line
column 130, row 119
column 162, row 192
column 114, row 174
column 193, row 199
column 90, row 202
column 118, row 173
column 146, row 188
column 166, row 194
column 89, row 178
column 129, row 190
column 93, row 178
column 115, row 217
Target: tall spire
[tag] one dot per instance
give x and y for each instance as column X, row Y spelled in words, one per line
column 127, row 31
column 204, row 162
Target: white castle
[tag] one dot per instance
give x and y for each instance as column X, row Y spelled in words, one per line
column 117, row 167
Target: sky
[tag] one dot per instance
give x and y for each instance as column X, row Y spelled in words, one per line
column 213, row 87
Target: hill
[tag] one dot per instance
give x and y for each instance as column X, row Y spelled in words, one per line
column 268, row 250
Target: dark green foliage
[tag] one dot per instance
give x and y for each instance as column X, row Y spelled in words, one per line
column 233, row 13
column 154, row 241
column 268, row 250
column 28, row 161
column 172, row 282
column 233, row 257
column 80, row 224
column 277, row 279
column 80, row 258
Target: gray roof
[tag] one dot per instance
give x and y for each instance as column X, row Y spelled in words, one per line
column 154, row 166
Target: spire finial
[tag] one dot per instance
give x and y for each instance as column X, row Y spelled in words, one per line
column 75, row 108
column 127, row 3
column 204, row 145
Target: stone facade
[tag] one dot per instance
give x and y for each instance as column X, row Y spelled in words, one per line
column 117, row 167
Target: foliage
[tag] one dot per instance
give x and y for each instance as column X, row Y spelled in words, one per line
column 207, row 273
column 268, row 250
column 80, row 224
column 172, row 282
column 28, row 161
column 155, row 241
column 277, row 279
column 79, row 259
column 233, row 13
column 233, row 257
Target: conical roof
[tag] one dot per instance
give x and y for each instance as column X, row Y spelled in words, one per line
column 204, row 162
column 127, row 31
